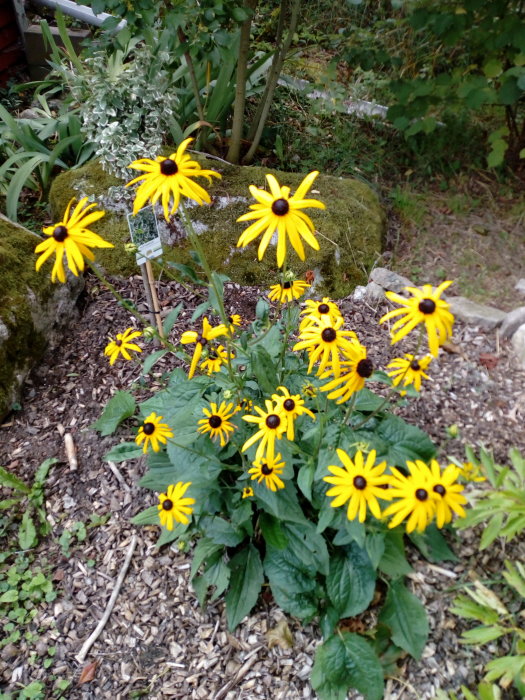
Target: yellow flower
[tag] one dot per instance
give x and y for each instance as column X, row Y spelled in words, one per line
column 318, row 310
column 169, row 178
column 217, row 357
column 200, row 340
column 272, row 426
column 121, row 345
column 235, row 322
column 471, row 472
column 449, row 497
column 217, row 421
column 424, row 306
column 355, row 369
column 325, row 340
column 292, row 407
column 268, row 470
column 360, row 483
column 72, row 237
column 154, row 432
column 245, row 405
column 416, row 500
column 173, row 506
column 288, row 291
column 309, row 389
column 410, row 370
column 247, row 492
column 276, row 211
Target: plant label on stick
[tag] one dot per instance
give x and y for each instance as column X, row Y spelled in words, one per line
column 144, row 231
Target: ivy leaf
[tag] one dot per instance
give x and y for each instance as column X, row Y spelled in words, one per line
column 119, row 407
column 345, row 661
column 351, row 580
column 405, row 615
column 246, row 580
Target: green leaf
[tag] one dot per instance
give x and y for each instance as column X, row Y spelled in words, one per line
column 119, row 407
column 151, row 359
column 293, row 586
column 282, row 504
column 482, row 634
column 403, row 442
column 9, row 503
column 204, row 549
column 492, row 68
column 171, row 318
column 221, row 531
column 433, row 545
column 10, row 596
column 345, row 661
column 245, row 584
column 468, row 608
column 264, row 369
column 11, row 481
column 123, row 451
column 393, row 562
column 405, row 615
column 491, row 531
column 272, row 531
column 26, row 532
column 150, row 516
column 351, row 580
column 43, row 470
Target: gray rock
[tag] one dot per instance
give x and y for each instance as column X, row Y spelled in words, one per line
column 359, row 293
column 520, row 287
column 481, row 315
column 518, row 343
column 512, row 321
column 390, row 280
column 374, row 293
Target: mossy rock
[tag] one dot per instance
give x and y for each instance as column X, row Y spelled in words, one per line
column 350, row 231
column 33, row 311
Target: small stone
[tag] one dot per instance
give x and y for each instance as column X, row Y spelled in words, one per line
column 390, row 280
column 9, row 652
column 374, row 293
column 513, row 320
column 359, row 293
column 487, row 317
column 520, row 287
column 518, row 343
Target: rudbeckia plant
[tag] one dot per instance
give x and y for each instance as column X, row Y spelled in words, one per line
column 276, row 464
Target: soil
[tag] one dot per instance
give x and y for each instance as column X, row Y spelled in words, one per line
column 157, row 642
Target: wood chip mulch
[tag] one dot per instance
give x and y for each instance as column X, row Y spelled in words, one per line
column 158, row 643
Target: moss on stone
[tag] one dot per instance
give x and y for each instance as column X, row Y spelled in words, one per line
column 350, row 230
column 20, row 344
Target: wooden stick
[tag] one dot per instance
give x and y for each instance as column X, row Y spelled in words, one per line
column 80, row 657
column 149, row 300
column 156, row 305
column 71, row 451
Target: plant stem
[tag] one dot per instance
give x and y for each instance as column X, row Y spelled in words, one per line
column 193, row 78
column 128, row 306
column 234, row 150
column 266, row 101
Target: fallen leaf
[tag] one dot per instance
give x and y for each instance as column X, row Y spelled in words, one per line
column 59, row 575
column 488, row 360
column 88, row 673
column 309, row 276
column 280, row 635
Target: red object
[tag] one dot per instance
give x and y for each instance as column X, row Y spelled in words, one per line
column 11, row 46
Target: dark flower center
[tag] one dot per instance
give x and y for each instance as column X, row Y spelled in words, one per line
column 289, row 405
column 148, row 428
column 365, row 368
column 287, row 285
column 273, row 421
column 280, row 207
column 215, row 421
column 439, row 488
column 168, row 167
column 360, row 482
column 415, row 365
column 323, row 308
column 202, row 340
column 118, row 343
column 266, row 470
column 421, row 494
column 427, row 306
column 329, row 335
column 213, row 355
column 60, row 233
column 167, row 504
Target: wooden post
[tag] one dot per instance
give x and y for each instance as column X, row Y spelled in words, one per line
column 156, row 305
